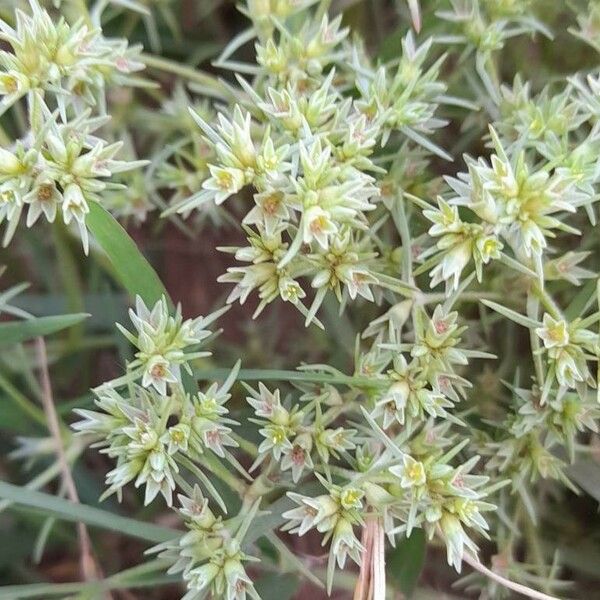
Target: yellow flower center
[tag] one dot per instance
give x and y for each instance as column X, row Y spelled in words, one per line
column 177, row 436
column 224, row 180
column 318, row 225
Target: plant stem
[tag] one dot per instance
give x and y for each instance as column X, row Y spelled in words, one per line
column 281, row 375
column 48, row 474
column 547, row 302
column 22, row 401
column 399, row 216
column 89, row 568
column 533, row 312
column 135, row 577
column 247, row 446
column 507, row 583
column 219, row 469
column 164, row 64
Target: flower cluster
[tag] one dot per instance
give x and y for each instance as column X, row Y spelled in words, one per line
column 292, row 437
column 152, row 432
column 445, row 500
column 60, row 165
column 60, row 171
column 303, row 148
column 425, row 493
column 334, row 514
column 426, row 385
column 566, row 345
column 514, row 203
column 209, row 555
column 72, row 64
column 473, row 386
column 162, row 341
column 403, row 473
column 557, row 407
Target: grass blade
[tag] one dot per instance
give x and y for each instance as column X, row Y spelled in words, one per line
column 21, row 331
column 131, row 267
column 68, row 511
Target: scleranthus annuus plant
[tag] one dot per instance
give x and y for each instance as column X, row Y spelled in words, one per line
column 426, row 202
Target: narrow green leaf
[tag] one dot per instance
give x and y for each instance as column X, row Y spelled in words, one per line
column 582, row 301
column 95, row 589
column 405, row 562
column 131, row 267
column 68, row 273
column 426, row 143
column 512, row 315
column 282, row 375
column 517, row 266
column 81, row 513
column 295, row 562
column 15, row 332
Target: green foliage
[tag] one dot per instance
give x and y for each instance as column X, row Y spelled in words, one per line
column 131, row 268
column 419, row 180
column 14, row 333
column 406, row 561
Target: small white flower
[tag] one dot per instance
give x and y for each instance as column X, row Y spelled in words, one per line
column 158, row 373
column 411, row 472
column 201, row 577
column 298, row 457
column 290, row 290
column 345, row 543
column 317, row 512
column 452, row 265
column 554, row 333
column 224, row 181
column 11, row 207
column 317, row 225
column 44, row 198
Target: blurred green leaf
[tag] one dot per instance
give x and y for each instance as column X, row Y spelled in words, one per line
column 582, row 301
column 131, row 267
column 69, row 511
column 277, row 587
column 21, row 331
column 586, row 474
column 147, row 574
column 405, row 562
column 95, row 589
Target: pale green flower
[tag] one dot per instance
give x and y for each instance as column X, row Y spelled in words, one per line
column 554, row 333
column 411, row 472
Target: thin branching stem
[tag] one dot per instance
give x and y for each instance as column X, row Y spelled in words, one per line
column 507, row 583
column 89, row 568
column 212, row 84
